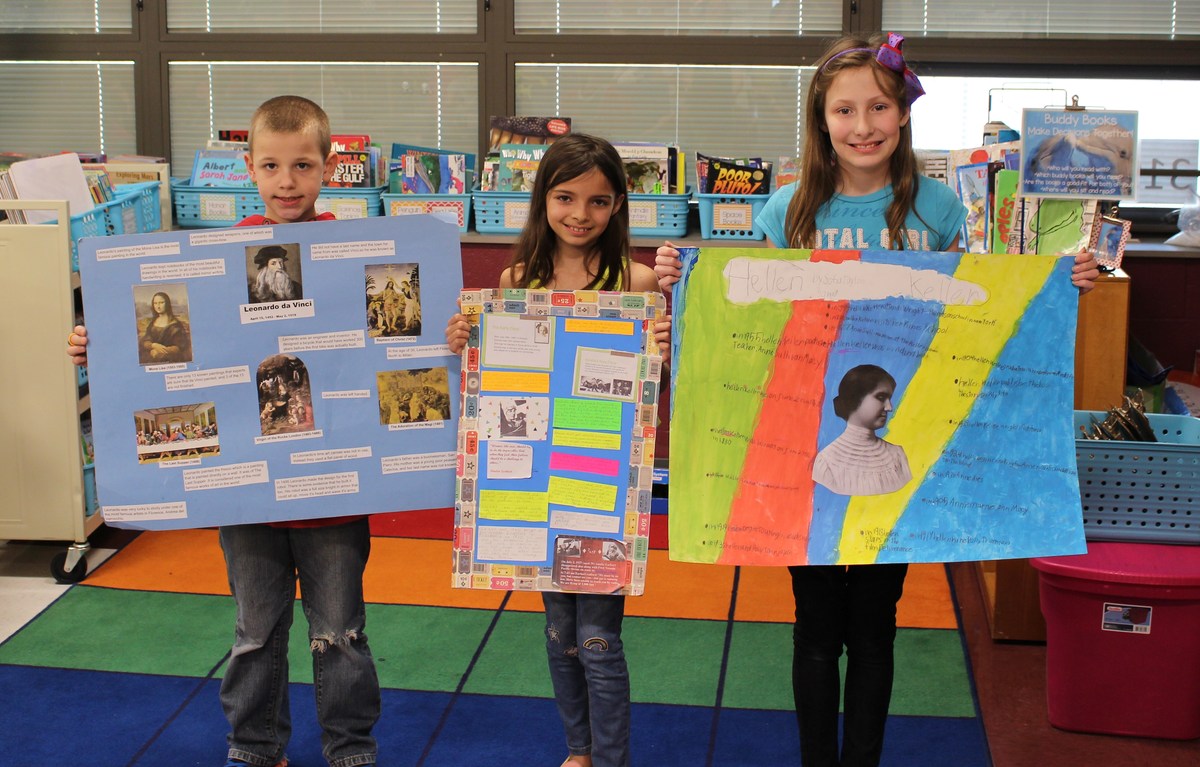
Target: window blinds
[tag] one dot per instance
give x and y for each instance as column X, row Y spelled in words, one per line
column 428, row 104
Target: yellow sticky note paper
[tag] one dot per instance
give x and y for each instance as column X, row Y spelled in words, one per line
column 514, row 504
column 582, row 495
column 607, row 327
column 588, row 439
column 531, row 383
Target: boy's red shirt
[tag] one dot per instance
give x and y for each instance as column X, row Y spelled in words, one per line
column 260, row 220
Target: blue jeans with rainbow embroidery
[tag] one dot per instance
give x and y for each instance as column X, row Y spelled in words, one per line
column 589, row 673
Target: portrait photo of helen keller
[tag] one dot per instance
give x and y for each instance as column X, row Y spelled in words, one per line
column 859, row 462
column 274, row 273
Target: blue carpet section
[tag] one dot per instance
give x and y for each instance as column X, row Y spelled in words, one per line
column 66, row 717
column 108, row 719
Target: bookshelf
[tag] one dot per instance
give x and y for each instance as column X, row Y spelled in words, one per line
column 42, row 494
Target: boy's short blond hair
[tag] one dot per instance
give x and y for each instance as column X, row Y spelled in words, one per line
column 292, row 114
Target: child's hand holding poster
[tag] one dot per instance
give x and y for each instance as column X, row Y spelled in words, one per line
column 556, row 441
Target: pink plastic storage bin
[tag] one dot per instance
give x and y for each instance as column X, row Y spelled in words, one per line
column 1123, row 639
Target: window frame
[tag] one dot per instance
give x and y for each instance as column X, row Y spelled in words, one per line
column 497, row 48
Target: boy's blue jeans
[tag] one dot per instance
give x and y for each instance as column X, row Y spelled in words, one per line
column 590, row 677
column 263, row 563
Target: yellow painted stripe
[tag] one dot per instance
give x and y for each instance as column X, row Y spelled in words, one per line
column 926, row 420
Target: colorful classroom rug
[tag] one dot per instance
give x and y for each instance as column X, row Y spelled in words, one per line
column 123, row 669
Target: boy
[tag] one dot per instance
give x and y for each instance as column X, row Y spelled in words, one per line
column 289, row 158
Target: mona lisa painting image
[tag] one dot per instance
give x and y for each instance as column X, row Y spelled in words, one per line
column 164, row 336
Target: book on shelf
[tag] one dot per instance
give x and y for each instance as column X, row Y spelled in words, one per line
column 677, row 169
column 518, row 166
column 227, row 146
column 975, row 155
column 357, row 168
column 1053, row 226
column 740, row 176
column 1006, row 213
column 349, row 142
column 220, row 167
column 973, row 192
column 787, row 171
column 54, row 177
column 425, row 170
column 488, row 172
column 647, row 166
column 129, row 172
column 99, row 183
column 145, row 158
column 518, row 129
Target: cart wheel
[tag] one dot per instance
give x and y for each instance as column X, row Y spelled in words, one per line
column 62, row 575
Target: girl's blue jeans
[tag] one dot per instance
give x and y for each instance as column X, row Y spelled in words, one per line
column 590, row 677
column 263, row 563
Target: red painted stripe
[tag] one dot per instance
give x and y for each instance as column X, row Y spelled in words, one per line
column 771, row 513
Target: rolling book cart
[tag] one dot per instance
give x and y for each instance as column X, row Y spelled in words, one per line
column 47, row 486
column 42, row 473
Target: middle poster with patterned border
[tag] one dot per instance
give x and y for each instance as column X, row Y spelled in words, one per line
column 556, row 441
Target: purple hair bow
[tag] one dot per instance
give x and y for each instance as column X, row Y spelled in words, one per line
column 890, row 56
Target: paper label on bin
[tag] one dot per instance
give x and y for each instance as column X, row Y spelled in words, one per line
column 1128, row 619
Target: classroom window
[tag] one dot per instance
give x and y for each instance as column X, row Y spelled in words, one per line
column 717, row 110
column 345, row 16
column 66, row 16
column 428, row 104
column 1165, row 19
column 637, row 17
column 83, row 106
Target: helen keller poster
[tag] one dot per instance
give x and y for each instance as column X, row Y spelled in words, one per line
column 846, row 407
column 270, row 373
column 556, row 441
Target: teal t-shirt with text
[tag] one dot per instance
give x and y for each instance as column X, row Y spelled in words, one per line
column 860, row 223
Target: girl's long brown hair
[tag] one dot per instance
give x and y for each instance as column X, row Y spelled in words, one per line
column 818, row 167
column 533, row 253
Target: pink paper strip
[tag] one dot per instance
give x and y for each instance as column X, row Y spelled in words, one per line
column 586, row 464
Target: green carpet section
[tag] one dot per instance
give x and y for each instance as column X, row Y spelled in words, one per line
column 759, row 672
column 514, row 660
column 127, row 631
column 931, row 675
column 672, row 660
column 424, row 648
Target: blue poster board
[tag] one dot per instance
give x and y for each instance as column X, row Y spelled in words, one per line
column 272, row 373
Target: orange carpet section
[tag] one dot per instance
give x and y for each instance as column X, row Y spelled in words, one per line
column 176, row 561
column 416, row 571
column 765, row 596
